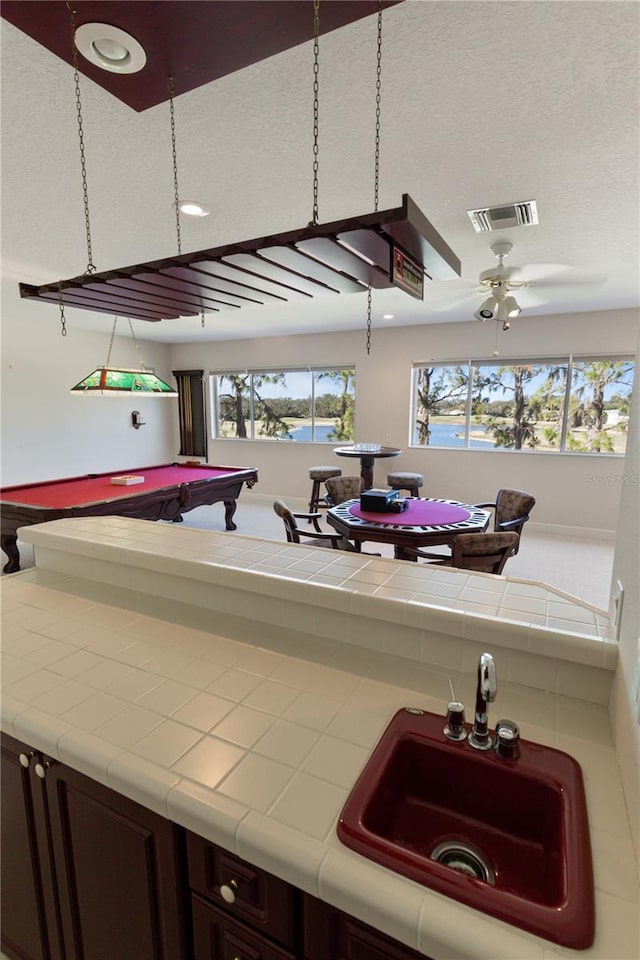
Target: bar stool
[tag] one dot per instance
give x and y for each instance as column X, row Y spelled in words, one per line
column 319, row 475
column 406, row 481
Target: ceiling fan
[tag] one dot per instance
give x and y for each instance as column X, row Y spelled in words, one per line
column 502, row 282
column 500, row 305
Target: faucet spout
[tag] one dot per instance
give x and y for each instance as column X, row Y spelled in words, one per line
column 486, row 690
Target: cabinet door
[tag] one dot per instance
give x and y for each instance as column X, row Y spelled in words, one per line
column 121, row 873
column 30, row 921
column 332, row 935
column 217, row 936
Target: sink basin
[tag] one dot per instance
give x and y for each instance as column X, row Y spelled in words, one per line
column 507, row 837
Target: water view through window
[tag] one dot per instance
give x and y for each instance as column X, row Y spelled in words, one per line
column 296, row 405
column 571, row 405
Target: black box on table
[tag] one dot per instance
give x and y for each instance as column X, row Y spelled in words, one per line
column 378, row 501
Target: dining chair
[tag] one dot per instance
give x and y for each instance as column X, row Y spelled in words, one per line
column 313, row 538
column 512, row 509
column 340, row 489
column 484, row 552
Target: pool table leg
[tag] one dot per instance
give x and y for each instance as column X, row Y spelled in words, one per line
column 229, row 510
column 9, row 543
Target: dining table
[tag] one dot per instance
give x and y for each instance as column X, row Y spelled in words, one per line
column 367, row 453
column 425, row 522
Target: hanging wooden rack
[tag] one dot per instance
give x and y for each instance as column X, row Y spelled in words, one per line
column 346, row 256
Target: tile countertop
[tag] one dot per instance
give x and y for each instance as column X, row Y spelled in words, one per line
column 252, row 735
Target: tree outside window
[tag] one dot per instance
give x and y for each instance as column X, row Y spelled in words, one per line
column 296, row 405
column 567, row 405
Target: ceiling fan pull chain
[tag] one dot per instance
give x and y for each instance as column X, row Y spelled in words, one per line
column 76, row 76
column 175, row 161
column 202, row 317
column 316, row 87
column 376, row 179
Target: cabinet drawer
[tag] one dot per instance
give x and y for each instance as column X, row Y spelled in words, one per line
column 332, row 935
column 217, row 936
column 254, row 896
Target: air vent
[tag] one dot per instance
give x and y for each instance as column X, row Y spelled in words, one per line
column 524, row 214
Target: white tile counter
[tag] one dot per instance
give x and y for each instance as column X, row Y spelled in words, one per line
column 251, row 734
column 438, row 616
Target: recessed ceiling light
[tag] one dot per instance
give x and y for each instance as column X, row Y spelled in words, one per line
column 388, row 316
column 192, row 208
column 110, row 48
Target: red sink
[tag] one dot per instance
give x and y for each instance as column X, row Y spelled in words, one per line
column 521, row 825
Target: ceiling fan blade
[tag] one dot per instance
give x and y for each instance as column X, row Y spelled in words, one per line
column 465, row 300
column 528, row 299
column 448, row 295
column 573, row 278
column 532, row 272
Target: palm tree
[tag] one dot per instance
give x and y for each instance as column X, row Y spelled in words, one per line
column 596, row 377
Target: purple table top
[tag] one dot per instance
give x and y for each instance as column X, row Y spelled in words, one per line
column 419, row 513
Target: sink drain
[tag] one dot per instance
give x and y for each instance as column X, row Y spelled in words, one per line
column 465, row 858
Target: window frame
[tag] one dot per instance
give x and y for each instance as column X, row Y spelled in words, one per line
column 250, row 372
column 473, row 364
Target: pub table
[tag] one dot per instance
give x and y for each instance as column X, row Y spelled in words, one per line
column 367, row 453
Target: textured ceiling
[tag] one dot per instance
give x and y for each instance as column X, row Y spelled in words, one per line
column 191, row 41
column 482, row 104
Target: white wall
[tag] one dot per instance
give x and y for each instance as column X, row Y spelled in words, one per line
column 571, row 490
column 46, row 432
column 625, row 708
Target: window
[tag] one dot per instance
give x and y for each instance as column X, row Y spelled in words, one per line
column 299, row 405
column 567, row 404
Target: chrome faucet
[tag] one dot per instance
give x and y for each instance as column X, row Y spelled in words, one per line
column 480, row 738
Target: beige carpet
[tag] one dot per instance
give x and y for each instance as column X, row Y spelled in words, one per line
column 578, row 566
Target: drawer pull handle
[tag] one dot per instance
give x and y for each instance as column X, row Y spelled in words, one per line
column 41, row 769
column 25, row 758
column 228, row 891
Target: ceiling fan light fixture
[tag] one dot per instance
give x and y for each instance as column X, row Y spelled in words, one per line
column 512, row 307
column 487, row 310
column 110, row 48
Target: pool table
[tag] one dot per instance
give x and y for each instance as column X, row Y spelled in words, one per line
column 167, row 492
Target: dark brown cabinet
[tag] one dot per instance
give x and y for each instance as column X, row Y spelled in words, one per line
column 30, row 924
column 89, row 875
column 239, row 911
column 330, row 934
column 86, row 874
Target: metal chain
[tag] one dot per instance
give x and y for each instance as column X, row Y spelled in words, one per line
column 316, row 87
column 376, row 179
column 378, row 85
column 76, row 76
column 202, row 317
column 175, row 161
column 138, row 350
column 113, row 333
column 63, row 322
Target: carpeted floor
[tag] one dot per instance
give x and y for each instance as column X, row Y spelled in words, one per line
column 578, row 566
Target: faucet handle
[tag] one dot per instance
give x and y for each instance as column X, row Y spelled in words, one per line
column 454, row 728
column 507, row 739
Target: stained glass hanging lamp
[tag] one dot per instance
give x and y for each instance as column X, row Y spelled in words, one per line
column 111, row 381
